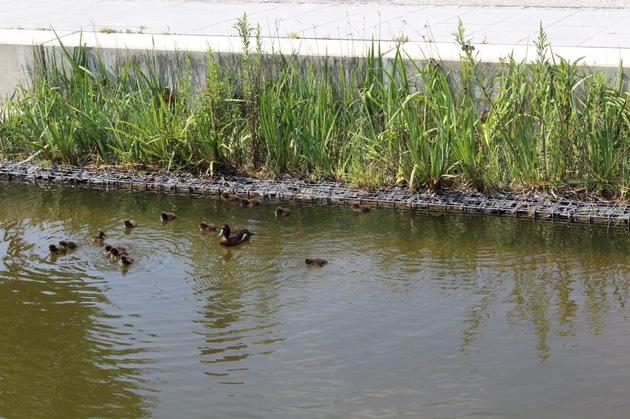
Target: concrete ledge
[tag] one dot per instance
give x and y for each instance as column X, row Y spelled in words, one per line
column 20, row 51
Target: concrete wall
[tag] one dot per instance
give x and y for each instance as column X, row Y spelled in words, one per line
column 21, row 51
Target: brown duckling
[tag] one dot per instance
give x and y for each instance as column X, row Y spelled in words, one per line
column 68, row 244
column 130, row 224
column 115, row 251
column 282, row 212
column 232, row 197
column 360, row 208
column 118, row 253
column 57, row 249
column 315, row 261
column 251, row 202
column 98, row 237
column 125, row 260
column 167, row 216
column 229, row 238
column 109, row 247
column 205, row 227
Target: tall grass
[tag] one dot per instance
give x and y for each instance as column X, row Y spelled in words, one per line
column 389, row 121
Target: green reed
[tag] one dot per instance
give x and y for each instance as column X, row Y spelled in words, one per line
column 388, row 121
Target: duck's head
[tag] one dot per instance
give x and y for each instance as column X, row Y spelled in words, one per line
column 225, row 231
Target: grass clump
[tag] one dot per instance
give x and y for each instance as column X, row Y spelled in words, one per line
column 542, row 124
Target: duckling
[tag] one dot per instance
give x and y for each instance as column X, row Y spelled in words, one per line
column 360, row 208
column 57, row 250
column 130, row 224
column 116, row 254
column 230, row 197
column 68, row 244
column 282, row 212
column 205, row 227
column 315, row 261
column 125, row 260
column 115, row 250
column 167, row 216
column 98, row 237
column 251, row 202
column 109, row 247
column 229, row 238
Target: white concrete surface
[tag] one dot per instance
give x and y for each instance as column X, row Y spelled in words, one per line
column 596, row 30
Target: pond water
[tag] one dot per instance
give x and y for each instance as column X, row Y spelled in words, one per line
column 414, row 315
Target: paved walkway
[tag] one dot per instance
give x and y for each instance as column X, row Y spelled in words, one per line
column 489, row 25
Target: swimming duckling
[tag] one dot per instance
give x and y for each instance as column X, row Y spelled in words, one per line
column 130, row 224
column 125, row 260
column 282, row 212
column 57, row 250
column 109, row 247
column 315, row 261
column 232, row 197
column 115, row 251
column 230, row 239
column 69, row 244
column 117, row 254
column 167, row 216
column 205, row 227
column 360, row 208
column 251, row 202
column 98, row 237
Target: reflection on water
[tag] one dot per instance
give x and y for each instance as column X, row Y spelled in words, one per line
column 414, row 316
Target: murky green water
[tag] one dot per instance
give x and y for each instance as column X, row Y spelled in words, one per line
column 415, row 316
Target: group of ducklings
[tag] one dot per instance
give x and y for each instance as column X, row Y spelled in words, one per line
column 228, row 238
column 116, row 252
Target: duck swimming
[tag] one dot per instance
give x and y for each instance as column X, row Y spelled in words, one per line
column 167, row 216
column 316, row 261
column 251, row 202
column 68, row 244
column 57, row 250
column 231, row 196
column 98, row 237
column 125, row 260
column 130, row 224
column 282, row 212
column 229, row 238
column 360, row 208
column 205, row 227
column 115, row 251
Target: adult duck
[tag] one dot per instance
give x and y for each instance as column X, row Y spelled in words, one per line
column 230, row 238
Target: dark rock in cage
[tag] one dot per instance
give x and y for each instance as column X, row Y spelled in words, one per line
column 610, row 214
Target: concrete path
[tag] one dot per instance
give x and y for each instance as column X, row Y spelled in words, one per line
column 589, row 27
column 598, row 36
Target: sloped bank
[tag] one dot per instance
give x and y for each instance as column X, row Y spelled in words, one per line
column 609, row 214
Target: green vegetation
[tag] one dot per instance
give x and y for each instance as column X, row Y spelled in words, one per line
column 530, row 125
